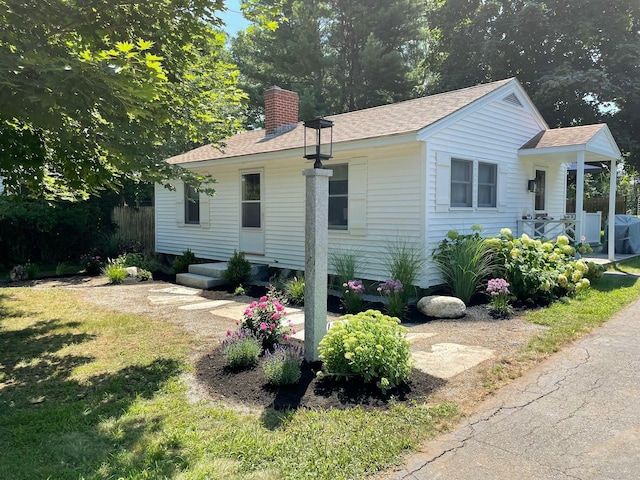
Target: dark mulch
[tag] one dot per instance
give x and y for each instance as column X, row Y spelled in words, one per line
column 249, row 387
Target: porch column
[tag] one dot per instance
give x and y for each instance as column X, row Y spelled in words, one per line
column 580, row 197
column 611, row 235
column 315, row 259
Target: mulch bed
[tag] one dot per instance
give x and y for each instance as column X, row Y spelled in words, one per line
column 249, row 388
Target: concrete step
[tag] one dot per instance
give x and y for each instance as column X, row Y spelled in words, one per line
column 198, row 281
column 217, row 269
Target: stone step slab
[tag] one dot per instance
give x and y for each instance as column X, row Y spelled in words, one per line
column 447, row 360
column 217, row 269
column 194, row 280
column 205, row 305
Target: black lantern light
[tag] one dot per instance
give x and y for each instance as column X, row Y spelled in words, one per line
column 317, row 151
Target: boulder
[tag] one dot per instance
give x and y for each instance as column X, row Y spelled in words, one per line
column 132, row 271
column 441, row 306
column 18, row 273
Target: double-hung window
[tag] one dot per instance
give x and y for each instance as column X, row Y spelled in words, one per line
column 339, row 197
column 473, row 184
column 191, row 205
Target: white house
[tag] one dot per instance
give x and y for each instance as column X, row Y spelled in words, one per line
column 411, row 170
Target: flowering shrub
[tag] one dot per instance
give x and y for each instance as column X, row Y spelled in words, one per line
column 541, row 271
column 396, row 302
column 266, row 320
column 241, row 349
column 498, row 290
column 368, row 345
column 92, row 264
column 352, row 300
column 282, row 367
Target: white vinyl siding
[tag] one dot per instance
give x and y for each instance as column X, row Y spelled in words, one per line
column 385, row 198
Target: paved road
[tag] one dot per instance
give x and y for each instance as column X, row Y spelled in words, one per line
column 576, row 416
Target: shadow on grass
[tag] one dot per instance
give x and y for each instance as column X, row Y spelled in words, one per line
column 54, row 426
column 608, row 283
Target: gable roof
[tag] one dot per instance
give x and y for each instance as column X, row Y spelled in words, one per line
column 595, row 141
column 385, row 120
column 562, row 137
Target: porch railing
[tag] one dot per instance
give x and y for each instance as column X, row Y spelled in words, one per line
column 549, row 229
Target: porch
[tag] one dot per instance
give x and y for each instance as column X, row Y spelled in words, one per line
column 582, row 145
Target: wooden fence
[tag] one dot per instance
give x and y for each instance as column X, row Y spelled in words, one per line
column 599, row 204
column 136, row 224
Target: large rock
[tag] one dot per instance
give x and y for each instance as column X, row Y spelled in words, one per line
column 440, row 306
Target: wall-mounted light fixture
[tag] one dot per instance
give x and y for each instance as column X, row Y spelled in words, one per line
column 531, row 186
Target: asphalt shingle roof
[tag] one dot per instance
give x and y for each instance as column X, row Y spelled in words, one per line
column 562, row 137
column 382, row 121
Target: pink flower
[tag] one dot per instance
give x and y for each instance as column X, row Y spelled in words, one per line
column 279, row 307
column 253, row 304
column 286, row 338
column 291, row 324
column 229, row 333
column 263, row 326
column 263, row 299
column 294, row 331
column 237, row 322
column 249, row 313
column 273, row 326
column 275, row 316
column 262, row 305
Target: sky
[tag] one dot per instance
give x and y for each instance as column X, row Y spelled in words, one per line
column 232, row 18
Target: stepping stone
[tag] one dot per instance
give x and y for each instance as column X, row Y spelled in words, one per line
column 292, row 311
column 232, row 310
column 296, row 319
column 414, row 337
column 205, row 305
column 177, row 290
column 169, row 300
column 449, row 359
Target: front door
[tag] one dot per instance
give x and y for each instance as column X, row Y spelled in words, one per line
column 251, row 213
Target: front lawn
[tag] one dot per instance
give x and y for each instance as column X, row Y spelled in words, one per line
column 87, row 393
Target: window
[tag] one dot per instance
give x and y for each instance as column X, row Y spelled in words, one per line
column 473, row 184
column 251, row 216
column 487, row 182
column 461, row 183
column 339, row 197
column 191, row 205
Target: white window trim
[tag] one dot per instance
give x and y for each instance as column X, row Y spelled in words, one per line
column 443, row 183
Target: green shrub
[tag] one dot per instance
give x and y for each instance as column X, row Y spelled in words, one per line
column 32, row 270
column 181, row 263
column 92, row 264
column 541, row 271
column 294, row 291
column 466, row 263
column 282, row 367
column 345, row 264
column 241, row 349
column 130, row 260
column 238, row 270
column 115, row 273
column 144, row 275
column 63, row 268
column 369, row 345
column 352, row 292
column 239, row 291
column 404, row 263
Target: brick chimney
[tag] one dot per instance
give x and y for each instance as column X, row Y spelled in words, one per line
column 280, row 110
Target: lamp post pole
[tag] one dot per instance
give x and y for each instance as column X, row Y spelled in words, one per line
column 316, row 242
column 315, row 259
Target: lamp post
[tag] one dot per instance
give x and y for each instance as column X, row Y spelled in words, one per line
column 316, row 234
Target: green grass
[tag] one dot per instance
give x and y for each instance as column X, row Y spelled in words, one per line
column 85, row 393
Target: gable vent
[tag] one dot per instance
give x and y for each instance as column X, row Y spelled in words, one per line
column 513, row 100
